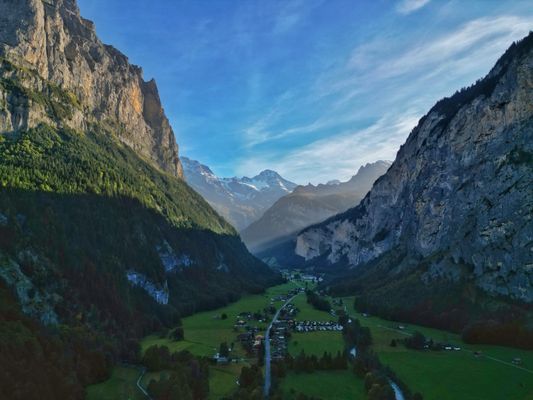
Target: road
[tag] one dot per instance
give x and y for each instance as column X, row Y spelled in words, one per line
column 143, row 371
column 266, row 390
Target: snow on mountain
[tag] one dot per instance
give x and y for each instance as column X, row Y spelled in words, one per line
column 240, row 200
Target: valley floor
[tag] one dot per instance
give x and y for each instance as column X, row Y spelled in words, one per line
column 438, row 375
column 443, row 375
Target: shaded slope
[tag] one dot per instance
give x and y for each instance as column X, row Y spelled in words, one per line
column 307, row 205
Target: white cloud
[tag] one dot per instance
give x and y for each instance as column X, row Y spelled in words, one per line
column 341, row 155
column 408, row 6
column 395, row 86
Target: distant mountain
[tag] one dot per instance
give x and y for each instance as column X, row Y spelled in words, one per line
column 446, row 235
column 307, row 205
column 240, row 200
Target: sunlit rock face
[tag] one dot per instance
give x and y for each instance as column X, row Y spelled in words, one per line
column 459, row 192
column 54, row 45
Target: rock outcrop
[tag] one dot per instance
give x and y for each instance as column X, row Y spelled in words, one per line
column 459, row 196
column 53, row 54
column 308, row 205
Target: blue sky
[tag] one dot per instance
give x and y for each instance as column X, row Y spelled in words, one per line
column 310, row 88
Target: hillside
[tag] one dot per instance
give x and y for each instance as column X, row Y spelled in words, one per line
column 101, row 241
column 445, row 234
column 240, row 200
column 307, row 205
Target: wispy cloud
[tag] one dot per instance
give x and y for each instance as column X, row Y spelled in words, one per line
column 394, row 88
column 340, row 155
column 291, row 13
column 408, row 6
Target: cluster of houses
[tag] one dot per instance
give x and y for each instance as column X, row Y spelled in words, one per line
column 279, row 337
column 251, row 340
column 313, row 326
column 250, row 335
column 298, row 276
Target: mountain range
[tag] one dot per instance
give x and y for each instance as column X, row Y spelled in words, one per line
column 307, row 205
column 105, row 236
column 240, row 200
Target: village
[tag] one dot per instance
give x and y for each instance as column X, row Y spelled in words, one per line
column 250, row 328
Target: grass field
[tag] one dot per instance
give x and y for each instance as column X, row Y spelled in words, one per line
column 222, row 380
column 334, row 385
column 452, row 374
column 121, row 385
column 307, row 312
column 206, row 330
column 338, row 385
column 316, row 343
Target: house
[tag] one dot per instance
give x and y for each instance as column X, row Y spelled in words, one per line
column 220, row 359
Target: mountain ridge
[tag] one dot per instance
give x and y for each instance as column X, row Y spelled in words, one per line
column 307, row 205
column 239, row 200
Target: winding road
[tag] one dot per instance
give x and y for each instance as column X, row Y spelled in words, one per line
column 143, row 371
column 266, row 389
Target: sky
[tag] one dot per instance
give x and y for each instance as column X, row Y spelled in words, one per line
column 310, row 88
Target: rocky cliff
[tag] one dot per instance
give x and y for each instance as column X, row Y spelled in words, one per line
column 308, row 205
column 101, row 241
column 457, row 202
column 74, row 80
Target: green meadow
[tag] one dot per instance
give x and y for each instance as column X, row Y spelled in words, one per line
column 339, row 385
column 334, row 385
column 450, row 375
column 444, row 375
column 122, row 386
column 307, row 312
column 316, row 343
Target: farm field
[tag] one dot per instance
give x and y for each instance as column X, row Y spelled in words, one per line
column 316, row 343
column 339, row 385
column 307, row 312
column 222, row 380
column 121, row 385
column 451, row 374
column 343, row 384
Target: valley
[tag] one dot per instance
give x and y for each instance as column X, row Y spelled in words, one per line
column 443, row 374
column 129, row 271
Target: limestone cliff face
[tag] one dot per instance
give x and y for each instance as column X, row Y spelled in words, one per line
column 459, row 194
column 51, row 50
